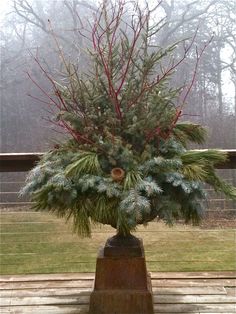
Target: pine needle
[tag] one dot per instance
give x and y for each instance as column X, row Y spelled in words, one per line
column 87, row 163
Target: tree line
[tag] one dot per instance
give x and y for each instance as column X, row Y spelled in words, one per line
column 38, row 30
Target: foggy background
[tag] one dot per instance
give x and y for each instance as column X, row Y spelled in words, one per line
column 25, row 31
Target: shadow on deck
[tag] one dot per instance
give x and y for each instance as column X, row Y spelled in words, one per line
column 205, row 292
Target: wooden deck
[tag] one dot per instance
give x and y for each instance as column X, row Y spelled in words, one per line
column 213, row 293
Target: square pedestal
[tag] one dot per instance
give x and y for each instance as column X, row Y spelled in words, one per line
column 122, row 285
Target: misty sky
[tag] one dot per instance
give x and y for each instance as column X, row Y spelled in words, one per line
column 228, row 87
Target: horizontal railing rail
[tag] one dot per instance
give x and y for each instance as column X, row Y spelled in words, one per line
column 18, row 162
column 36, row 242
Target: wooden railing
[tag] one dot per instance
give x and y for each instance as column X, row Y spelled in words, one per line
column 18, row 162
column 35, row 242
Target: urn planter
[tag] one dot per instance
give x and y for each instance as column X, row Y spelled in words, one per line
column 125, row 162
column 122, row 284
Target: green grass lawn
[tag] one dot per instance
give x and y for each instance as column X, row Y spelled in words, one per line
column 33, row 242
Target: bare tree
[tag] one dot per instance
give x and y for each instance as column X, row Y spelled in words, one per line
column 33, row 27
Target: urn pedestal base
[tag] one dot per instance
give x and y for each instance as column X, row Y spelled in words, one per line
column 122, row 285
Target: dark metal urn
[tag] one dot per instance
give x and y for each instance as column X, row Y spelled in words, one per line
column 122, row 284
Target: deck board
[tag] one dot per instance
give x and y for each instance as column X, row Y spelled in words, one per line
column 195, row 293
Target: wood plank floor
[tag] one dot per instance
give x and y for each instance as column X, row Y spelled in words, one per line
column 195, row 293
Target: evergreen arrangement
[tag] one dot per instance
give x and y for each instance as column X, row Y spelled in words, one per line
column 126, row 160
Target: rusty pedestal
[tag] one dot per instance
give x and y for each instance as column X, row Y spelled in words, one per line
column 122, row 285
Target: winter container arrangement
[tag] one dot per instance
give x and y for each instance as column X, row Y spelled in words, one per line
column 125, row 162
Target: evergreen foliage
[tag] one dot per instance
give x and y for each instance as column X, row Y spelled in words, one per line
column 124, row 115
